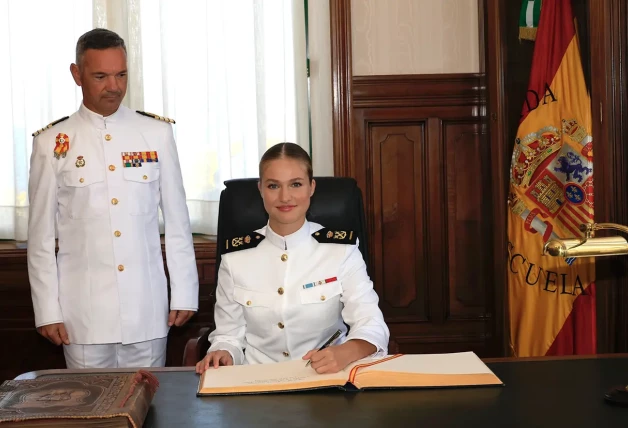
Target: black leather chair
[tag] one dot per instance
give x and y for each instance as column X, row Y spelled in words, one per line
column 337, row 204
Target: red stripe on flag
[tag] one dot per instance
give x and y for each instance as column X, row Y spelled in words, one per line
column 587, row 210
column 576, row 213
column 549, row 50
column 569, row 223
column 566, row 217
column 577, row 336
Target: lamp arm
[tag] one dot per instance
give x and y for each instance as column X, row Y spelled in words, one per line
column 590, row 228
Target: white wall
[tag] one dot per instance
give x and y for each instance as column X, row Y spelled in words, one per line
column 414, row 36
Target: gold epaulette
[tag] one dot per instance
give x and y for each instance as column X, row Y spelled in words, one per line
column 50, row 125
column 156, row 116
column 245, row 242
column 327, row 236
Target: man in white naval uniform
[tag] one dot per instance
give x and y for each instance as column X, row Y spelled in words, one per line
column 99, row 177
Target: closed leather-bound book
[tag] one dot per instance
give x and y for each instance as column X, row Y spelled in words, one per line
column 78, row 400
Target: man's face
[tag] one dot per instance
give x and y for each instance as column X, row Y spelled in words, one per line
column 102, row 75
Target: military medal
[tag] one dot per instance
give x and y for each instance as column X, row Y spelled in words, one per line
column 137, row 159
column 62, row 145
column 321, row 282
column 80, row 162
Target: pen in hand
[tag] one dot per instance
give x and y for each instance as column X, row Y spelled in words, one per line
column 329, row 342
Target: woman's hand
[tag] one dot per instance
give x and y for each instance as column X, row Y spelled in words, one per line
column 336, row 358
column 214, row 359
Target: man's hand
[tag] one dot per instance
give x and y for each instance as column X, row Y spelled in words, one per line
column 179, row 318
column 55, row 333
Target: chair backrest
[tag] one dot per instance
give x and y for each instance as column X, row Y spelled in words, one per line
column 337, row 204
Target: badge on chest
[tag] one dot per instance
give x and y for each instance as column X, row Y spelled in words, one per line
column 62, row 145
column 137, row 159
column 321, row 282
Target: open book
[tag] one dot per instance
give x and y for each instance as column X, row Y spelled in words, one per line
column 395, row 371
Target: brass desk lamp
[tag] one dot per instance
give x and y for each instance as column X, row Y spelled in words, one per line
column 589, row 246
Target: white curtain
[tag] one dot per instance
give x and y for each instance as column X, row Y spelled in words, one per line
column 231, row 73
column 37, row 42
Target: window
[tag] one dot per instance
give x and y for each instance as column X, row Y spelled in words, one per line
column 231, row 73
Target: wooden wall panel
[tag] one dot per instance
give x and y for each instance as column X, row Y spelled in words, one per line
column 340, row 32
column 399, row 227
column 423, row 160
column 467, row 171
column 23, row 349
column 608, row 47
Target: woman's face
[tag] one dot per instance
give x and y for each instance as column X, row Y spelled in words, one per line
column 286, row 191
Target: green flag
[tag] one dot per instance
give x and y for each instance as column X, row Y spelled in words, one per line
column 529, row 19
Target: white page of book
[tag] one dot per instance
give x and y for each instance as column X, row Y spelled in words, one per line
column 288, row 372
column 454, row 363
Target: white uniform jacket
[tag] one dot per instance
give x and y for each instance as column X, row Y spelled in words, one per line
column 288, row 295
column 101, row 180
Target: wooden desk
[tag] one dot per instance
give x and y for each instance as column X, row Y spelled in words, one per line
column 547, row 392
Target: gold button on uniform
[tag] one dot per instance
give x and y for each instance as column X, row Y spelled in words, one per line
column 117, row 233
column 120, row 268
column 145, row 177
column 285, row 354
column 114, row 201
column 248, row 303
column 280, row 325
column 322, row 297
column 280, row 291
column 81, row 180
column 112, row 168
column 284, row 257
column 108, row 137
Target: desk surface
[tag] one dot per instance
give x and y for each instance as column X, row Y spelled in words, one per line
column 538, row 392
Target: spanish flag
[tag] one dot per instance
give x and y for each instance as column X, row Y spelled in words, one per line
column 551, row 299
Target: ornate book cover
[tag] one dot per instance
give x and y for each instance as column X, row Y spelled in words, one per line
column 93, row 400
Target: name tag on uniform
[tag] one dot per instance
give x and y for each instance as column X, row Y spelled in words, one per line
column 321, row 282
column 137, row 159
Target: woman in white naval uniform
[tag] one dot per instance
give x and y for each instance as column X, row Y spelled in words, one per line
column 285, row 289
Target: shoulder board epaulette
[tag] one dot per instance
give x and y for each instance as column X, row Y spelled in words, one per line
column 156, row 116
column 50, row 125
column 245, row 242
column 327, row 236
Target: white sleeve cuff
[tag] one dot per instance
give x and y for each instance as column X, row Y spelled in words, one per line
column 51, row 314
column 381, row 348
column 48, row 323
